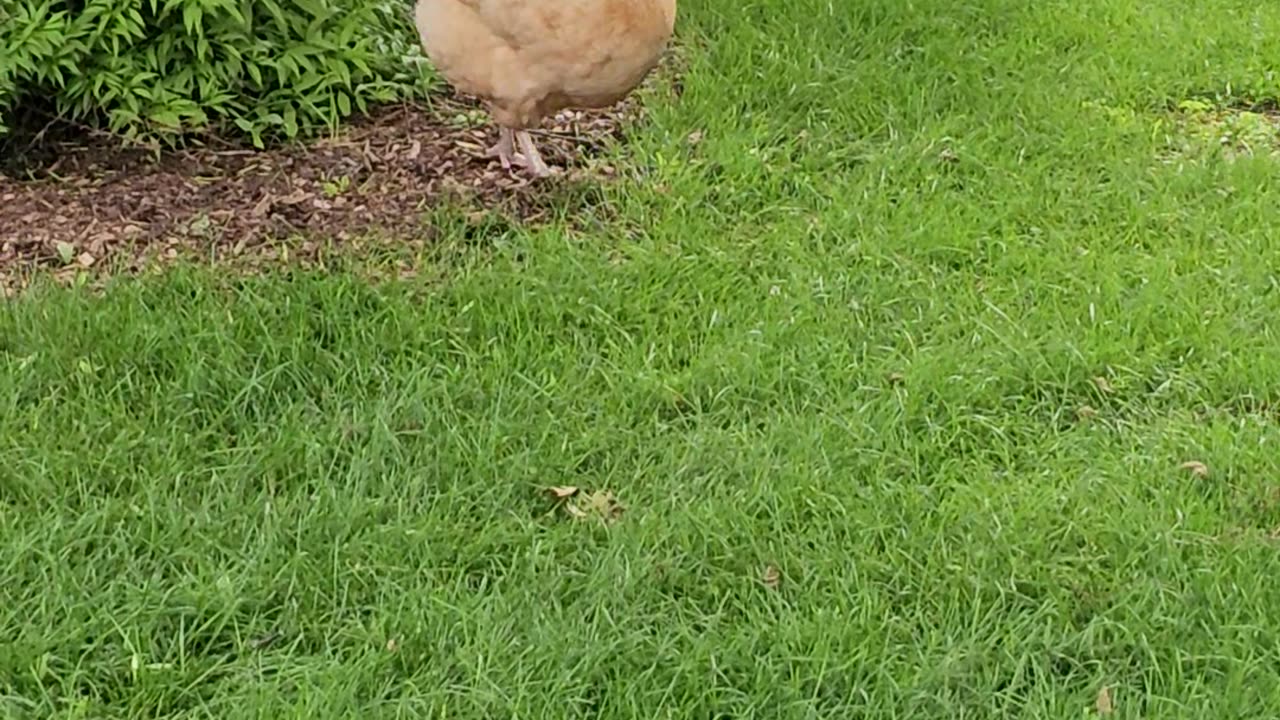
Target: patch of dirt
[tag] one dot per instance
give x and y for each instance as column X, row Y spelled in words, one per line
column 92, row 205
column 1243, row 130
column 1201, row 129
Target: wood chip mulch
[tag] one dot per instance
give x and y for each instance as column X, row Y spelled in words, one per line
column 96, row 205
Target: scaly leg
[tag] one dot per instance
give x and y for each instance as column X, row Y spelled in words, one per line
column 505, row 148
column 532, row 159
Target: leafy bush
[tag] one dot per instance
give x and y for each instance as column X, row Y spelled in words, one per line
column 164, row 68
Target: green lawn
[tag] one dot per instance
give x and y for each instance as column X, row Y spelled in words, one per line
column 924, row 329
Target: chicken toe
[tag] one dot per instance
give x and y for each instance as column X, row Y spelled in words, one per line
column 504, row 149
column 532, row 158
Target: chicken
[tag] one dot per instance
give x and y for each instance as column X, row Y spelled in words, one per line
column 529, row 59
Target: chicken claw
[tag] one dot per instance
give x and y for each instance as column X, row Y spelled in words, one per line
column 504, row 149
column 532, row 159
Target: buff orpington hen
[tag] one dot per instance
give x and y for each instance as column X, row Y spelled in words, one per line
column 529, row 59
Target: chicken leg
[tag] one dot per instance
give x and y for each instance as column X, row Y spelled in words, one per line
column 504, row 149
column 532, row 159
column 529, row 157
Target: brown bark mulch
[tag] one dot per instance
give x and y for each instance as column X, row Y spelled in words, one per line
column 93, row 205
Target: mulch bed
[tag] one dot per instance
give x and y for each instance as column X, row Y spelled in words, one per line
column 95, row 205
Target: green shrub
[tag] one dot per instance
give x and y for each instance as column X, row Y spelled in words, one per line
column 165, row 68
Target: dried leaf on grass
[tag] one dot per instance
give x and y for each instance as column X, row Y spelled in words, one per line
column 1197, row 468
column 1104, row 704
column 771, row 577
column 599, row 505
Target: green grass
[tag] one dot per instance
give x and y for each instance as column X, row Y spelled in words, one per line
column 854, row 334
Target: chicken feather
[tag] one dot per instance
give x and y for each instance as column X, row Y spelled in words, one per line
column 528, row 59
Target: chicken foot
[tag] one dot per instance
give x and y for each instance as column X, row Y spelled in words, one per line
column 504, row 149
column 529, row 156
column 532, row 159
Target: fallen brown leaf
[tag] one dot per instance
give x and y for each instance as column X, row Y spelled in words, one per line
column 1103, row 703
column 1103, row 385
column 262, row 207
column 897, row 378
column 601, row 505
column 560, row 492
column 771, row 577
column 392, row 645
column 1085, row 412
column 1197, row 468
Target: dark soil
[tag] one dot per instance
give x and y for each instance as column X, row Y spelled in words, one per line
column 84, row 203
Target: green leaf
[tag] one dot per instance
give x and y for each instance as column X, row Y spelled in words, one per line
column 167, row 118
column 192, row 15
